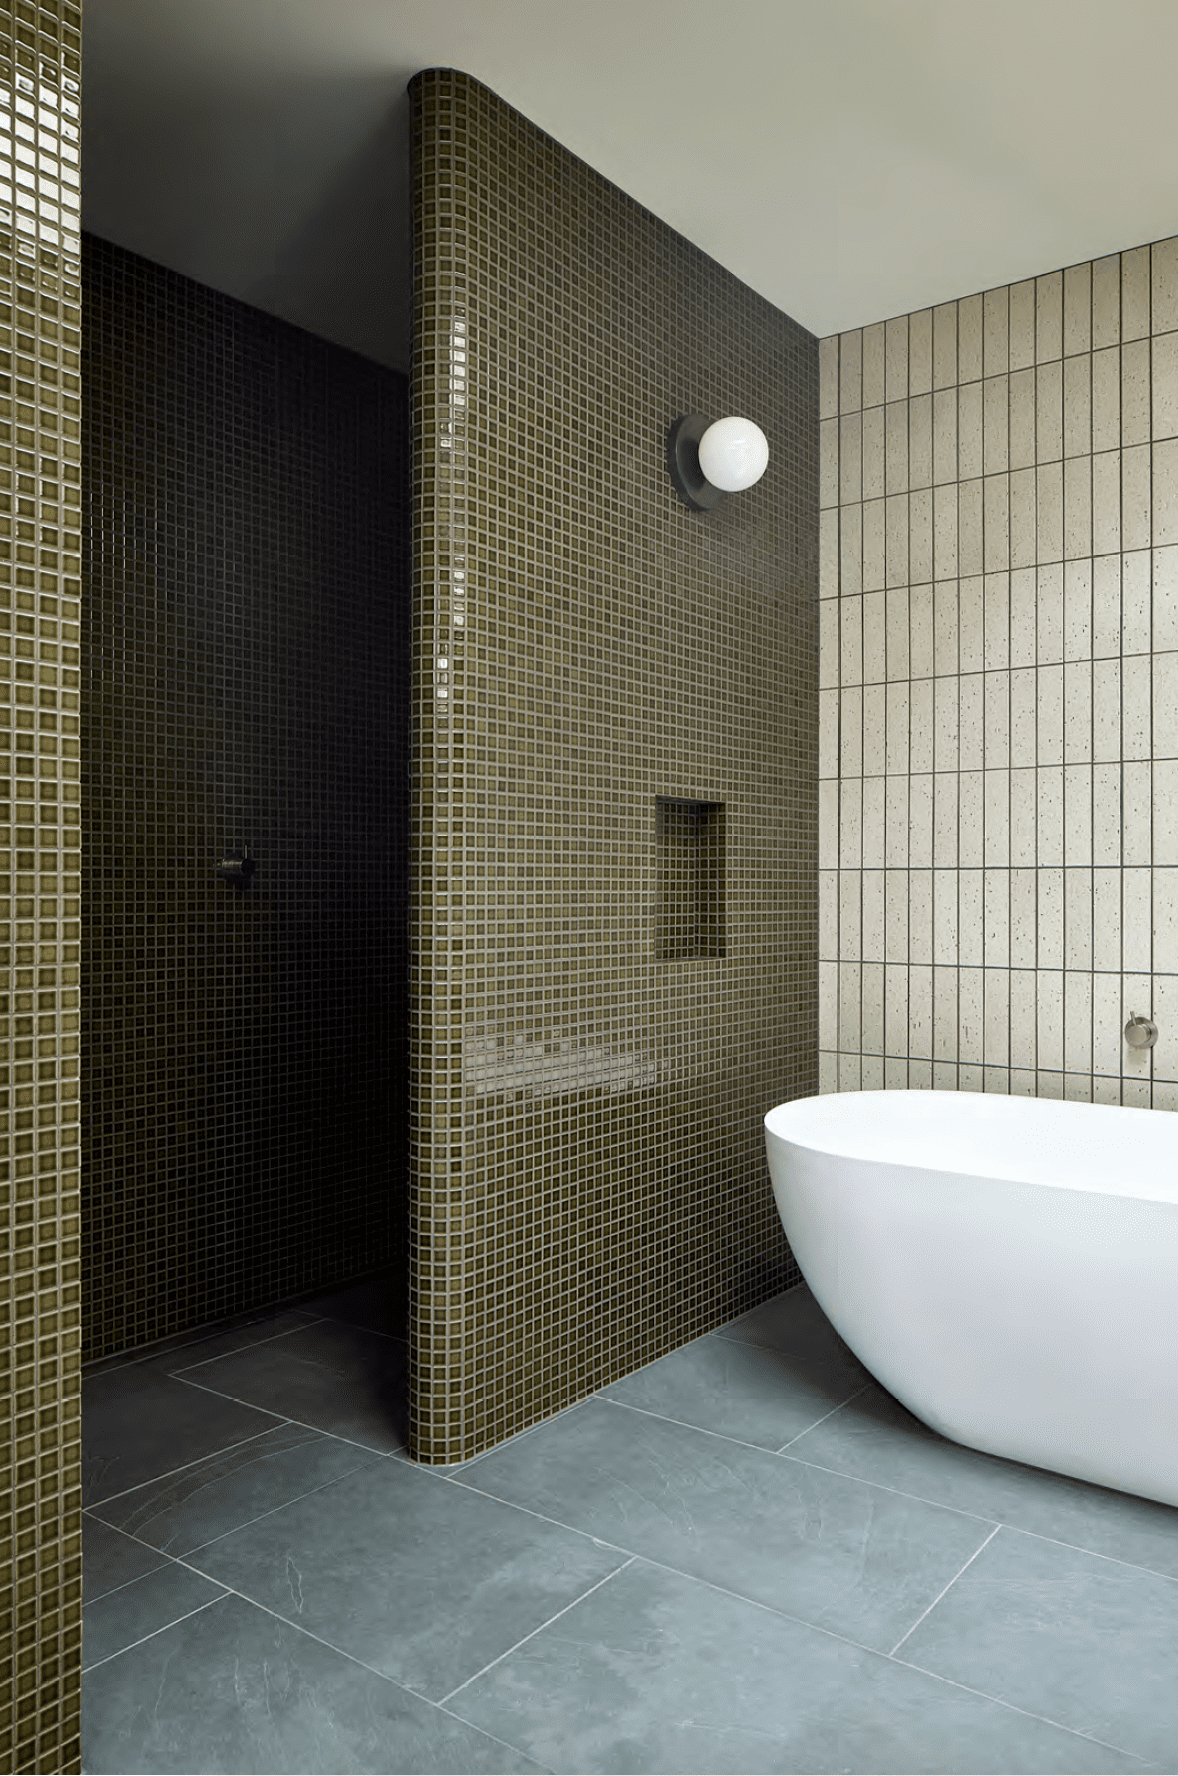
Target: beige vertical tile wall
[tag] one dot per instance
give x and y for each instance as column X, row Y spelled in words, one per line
column 40, row 590
column 998, row 882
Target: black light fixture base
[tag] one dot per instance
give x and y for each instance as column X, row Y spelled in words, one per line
column 690, row 482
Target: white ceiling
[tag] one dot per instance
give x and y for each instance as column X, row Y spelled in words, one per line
column 850, row 159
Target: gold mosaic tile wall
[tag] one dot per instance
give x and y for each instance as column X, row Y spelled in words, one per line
column 40, row 1309
column 247, row 684
column 589, row 1181
column 999, row 825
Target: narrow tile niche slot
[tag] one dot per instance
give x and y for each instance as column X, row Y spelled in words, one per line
column 689, row 839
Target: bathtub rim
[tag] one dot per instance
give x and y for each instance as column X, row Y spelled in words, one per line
column 787, row 1122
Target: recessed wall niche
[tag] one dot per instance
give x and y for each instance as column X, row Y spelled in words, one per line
column 689, row 840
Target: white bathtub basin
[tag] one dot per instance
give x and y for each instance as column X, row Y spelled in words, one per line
column 1006, row 1267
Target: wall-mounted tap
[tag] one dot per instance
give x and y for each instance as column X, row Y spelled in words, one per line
column 1140, row 1032
column 235, row 869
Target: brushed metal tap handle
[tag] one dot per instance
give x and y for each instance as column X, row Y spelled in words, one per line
column 237, row 870
column 1140, row 1032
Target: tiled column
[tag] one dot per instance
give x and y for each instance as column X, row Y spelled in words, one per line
column 40, row 1521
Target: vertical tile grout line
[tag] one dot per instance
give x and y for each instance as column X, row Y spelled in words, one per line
column 1153, row 880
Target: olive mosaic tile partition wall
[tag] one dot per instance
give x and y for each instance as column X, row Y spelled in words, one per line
column 588, row 1177
column 247, row 685
column 999, row 824
column 40, row 589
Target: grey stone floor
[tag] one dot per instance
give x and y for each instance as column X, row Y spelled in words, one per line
column 746, row 1557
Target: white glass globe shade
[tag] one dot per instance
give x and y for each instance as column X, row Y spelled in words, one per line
column 733, row 453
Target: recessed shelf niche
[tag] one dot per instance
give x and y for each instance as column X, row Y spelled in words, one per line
column 689, row 842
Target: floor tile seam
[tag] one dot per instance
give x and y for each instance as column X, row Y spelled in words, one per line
column 263, row 1456
column 875, row 1652
column 636, row 1554
column 943, row 1592
column 541, row 1517
column 165, row 1559
column 650, row 1412
column 1028, row 1713
column 685, row 1424
column 299, row 1628
column 154, row 1354
column 1000, row 1522
column 236, row 1400
column 199, row 1547
column 823, row 1419
column 162, row 1629
column 254, row 1344
column 354, row 1326
column 731, row 1338
column 517, row 1437
column 1153, row 1572
column 109, row 1498
column 918, row 1498
column 801, row 1462
column 269, row 1610
column 769, row 1609
column 523, row 1640
column 473, row 1726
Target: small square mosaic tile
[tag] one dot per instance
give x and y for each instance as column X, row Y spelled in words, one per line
column 595, row 666
column 246, row 699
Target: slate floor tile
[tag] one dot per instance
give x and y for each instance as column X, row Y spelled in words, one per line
column 111, row 1559
column 234, row 1689
column 210, row 1340
column 209, row 1498
column 380, row 1303
column 833, row 1551
column 124, row 1616
column 656, row 1672
column 333, row 1376
column 1090, row 1642
column 876, row 1438
column 753, row 1393
column 794, row 1322
column 415, row 1576
column 138, row 1423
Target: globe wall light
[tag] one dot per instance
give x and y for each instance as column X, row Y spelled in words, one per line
column 708, row 461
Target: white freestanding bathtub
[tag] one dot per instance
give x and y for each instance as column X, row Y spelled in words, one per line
column 1006, row 1267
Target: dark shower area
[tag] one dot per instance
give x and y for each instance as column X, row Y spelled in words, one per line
column 246, row 563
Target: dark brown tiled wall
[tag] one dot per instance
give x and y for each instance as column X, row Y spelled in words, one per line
column 589, row 1182
column 40, row 587
column 247, row 684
